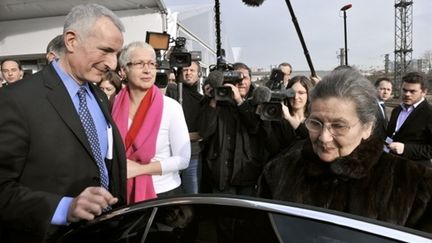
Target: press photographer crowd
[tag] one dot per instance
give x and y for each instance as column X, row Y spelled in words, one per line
column 107, row 124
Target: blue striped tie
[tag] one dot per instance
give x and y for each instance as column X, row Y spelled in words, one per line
column 92, row 137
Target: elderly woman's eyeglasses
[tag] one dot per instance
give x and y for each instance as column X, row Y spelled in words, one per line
column 335, row 129
column 142, row 64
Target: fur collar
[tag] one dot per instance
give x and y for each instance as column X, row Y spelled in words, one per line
column 356, row 165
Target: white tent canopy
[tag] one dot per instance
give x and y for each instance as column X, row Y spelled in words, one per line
column 28, row 25
column 197, row 23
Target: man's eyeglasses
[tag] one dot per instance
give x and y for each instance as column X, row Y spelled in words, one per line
column 335, row 129
column 142, row 64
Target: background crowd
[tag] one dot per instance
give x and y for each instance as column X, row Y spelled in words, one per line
column 92, row 131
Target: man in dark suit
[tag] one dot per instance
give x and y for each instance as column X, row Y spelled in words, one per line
column 409, row 131
column 384, row 88
column 50, row 174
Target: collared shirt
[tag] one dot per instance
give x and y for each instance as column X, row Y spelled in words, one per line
column 102, row 126
column 382, row 108
column 405, row 112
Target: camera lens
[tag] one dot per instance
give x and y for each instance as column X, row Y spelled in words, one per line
column 222, row 92
column 180, row 59
column 271, row 111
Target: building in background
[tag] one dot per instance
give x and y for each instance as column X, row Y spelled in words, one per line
column 27, row 26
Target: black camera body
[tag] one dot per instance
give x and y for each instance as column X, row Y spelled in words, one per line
column 162, row 73
column 232, row 77
column 276, row 79
column 224, row 93
column 272, row 110
column 180, row 57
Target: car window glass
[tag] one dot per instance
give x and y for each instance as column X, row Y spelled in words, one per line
column 296, row 229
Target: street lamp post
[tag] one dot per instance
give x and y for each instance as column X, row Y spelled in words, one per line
column 344, row 9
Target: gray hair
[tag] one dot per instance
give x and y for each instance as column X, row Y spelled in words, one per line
column 349, row 84
column 125, row 54
column 82, row 17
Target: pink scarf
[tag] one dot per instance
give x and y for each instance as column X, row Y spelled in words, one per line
column 143, row 147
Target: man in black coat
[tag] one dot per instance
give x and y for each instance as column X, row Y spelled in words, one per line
column 409, row 131
column 49, row 174
column 230, row 152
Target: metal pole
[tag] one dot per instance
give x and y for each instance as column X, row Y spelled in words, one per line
column 299, row 33
column 346, row 42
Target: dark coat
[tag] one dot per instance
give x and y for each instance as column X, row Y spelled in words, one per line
column 230, row 152
column 368, row 182
column 45, row 155
column 191, row 104
column 415, row 133
column 273, row 136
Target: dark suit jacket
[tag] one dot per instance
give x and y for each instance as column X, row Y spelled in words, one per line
column 382, row 120
column 44, row 156
column 415, row 132
column 388, row 110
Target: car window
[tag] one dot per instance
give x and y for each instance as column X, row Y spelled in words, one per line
column 211, row 222
column 295, row 229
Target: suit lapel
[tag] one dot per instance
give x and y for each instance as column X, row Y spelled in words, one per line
column 393, row 120
column 413, row 116
column 62, row 103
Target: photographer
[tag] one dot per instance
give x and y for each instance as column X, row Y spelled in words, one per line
column 296, row 110
column 281, row 75
column 281, row 114
column 230, row 154
column 231, row 162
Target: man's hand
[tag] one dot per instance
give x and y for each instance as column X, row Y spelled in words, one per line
column 396, row 147
column 315, row 79
column 90, row 204
column 236, row 93
column 207, row 89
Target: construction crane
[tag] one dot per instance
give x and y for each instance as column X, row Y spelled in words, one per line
column 403, row 39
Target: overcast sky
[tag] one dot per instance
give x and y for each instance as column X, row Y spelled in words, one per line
column 267, row 35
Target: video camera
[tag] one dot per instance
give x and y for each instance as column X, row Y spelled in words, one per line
column 179, row 57
column 228, row 76
column 225, row 93
column 272, row 110
column 276, row 79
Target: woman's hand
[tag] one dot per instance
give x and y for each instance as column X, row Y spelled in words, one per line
column 293, row 120
column 134, row 169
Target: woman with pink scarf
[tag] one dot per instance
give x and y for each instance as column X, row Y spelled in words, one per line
column 152, row 126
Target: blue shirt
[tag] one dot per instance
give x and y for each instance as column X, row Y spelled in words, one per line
column 403, row 115
column 60, row 215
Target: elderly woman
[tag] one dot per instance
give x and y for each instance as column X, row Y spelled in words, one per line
column 342, row 165
column 153, row 128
